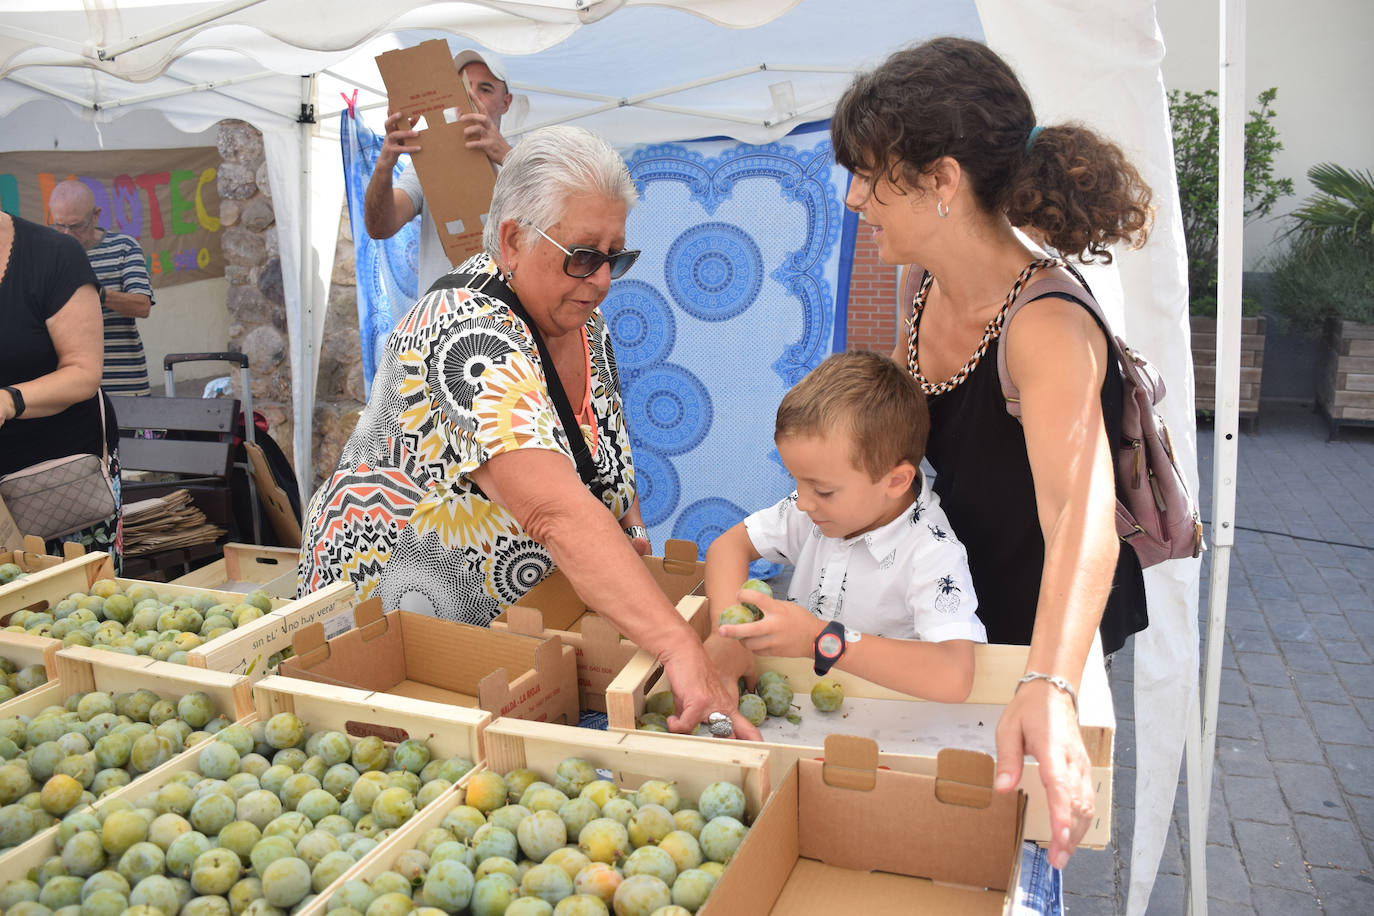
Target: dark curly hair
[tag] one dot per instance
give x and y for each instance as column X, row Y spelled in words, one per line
column 954, row 97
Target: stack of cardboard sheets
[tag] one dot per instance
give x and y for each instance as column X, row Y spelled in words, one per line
column 166, row 522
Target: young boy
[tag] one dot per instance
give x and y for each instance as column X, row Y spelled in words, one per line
column 881, row 586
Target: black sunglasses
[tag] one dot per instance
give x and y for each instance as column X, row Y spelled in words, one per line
column 582, row 262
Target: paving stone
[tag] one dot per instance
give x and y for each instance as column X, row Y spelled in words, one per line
column 1305, row 654
column 1320, row 688
column 1296, row 634
column 1346, row 651
column 1253, row 641
column 1331, row 842
column 1262, row 669
column 1364, row 815
column 1339, row 724
column 1308, row 788
column 1234, row 721
column 1275, row 701
column 1276, row 901
column 1343, row 891
column 1331, row 626
column 1271, row 588
column 1233, row 690
column 1083, row 905
column 1271, row 855
column 1358, row 679
column 1255, row 799
column 1352, row 768
column 1244, row 758
column 1290, row 738
column 1168, row 895
column 1226, row 878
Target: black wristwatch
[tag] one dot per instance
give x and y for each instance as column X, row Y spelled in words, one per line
column 101, row 292
column 17, row 398
column 830, row 645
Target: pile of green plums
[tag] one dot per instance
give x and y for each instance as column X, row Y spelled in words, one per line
column 139, row 621
column 269, row 817
column 520, row 845
column 11, row 571
column 15, row 680
column 66, row 756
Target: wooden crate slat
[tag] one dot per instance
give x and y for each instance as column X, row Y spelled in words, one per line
column 246, row 565
column 246, row 649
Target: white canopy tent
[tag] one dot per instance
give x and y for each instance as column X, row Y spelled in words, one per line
column 138, row 73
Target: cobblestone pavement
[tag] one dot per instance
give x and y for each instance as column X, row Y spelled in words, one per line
column 1292, row 817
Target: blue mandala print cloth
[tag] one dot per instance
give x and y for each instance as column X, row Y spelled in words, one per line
column 735, row 298
column 385, row 267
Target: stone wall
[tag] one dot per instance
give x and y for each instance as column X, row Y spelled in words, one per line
column 256, row 303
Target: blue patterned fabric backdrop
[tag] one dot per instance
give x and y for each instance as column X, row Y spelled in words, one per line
column 735, row 298
column 386, row 269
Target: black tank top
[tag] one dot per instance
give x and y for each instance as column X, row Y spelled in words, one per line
column 983, row 478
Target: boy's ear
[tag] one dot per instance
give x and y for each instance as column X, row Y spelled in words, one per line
column 900, row 478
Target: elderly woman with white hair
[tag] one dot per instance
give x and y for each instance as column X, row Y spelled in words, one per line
column 493, row 447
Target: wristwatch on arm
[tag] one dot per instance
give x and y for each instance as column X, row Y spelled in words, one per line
column 17, row 398
column 831, row 643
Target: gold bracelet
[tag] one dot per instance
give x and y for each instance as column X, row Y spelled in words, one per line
column 1053, row 679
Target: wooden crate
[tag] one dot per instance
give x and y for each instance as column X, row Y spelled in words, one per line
column 631, row 758
column 601, row 651
column 245, row 567
column 1204, row 348
column 80, row 670
column 247, row 649
column 24, row 650
column 32, row 557
column 44, row 589
column 1346, row 394
column 997, row 669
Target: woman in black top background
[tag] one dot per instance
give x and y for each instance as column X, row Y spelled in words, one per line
column 51, row 352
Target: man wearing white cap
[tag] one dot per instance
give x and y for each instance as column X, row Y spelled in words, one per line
column 387, row 206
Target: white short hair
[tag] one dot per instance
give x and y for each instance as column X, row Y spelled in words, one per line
column 543, row 170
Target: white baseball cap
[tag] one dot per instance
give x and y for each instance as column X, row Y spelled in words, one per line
column 492, row 62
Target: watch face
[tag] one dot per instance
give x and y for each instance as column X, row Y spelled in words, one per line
column 829, row 645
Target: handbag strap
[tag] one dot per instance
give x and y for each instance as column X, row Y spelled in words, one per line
column 493, row 286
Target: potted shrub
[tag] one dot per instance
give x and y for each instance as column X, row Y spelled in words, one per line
column 1324, row 284
column 1196, row 130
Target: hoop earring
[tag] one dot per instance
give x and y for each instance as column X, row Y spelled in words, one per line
column 942, row 208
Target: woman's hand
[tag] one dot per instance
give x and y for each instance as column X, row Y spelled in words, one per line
column 787, row 629
column 1040, row 721
column 699, row 690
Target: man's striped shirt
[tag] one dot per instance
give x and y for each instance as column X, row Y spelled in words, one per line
column 119, row 264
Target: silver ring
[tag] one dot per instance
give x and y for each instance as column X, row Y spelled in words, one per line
column 720, row 725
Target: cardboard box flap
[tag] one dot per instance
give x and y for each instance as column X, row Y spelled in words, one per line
column 369, row 620
column 310, row 645
column 598, row 632
column 679, row 557
column 920, row 836
column 850, row 762
column 963, row 777
column 526, row 621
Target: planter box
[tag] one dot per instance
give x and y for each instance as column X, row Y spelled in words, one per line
column 553, row 608
column 415, row 655
column 1346, row 394
column 245, row 567
column 1204, row 333
column 912, row 731
column 843, row 835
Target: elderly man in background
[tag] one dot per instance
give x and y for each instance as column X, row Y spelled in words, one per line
column 388, row 206
column 125, row 293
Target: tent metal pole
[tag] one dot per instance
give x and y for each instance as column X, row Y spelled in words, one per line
column 1230, row 250
column 134, row 42
column 304, row 432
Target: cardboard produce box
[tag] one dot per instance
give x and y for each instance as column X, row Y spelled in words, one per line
column 843, row 835
column 553, row 608
column 422, row 83
column 245, row 567
column 415, row 655
column 912, row 731
column 28, row 553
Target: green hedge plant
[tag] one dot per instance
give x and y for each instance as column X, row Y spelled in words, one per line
column 1197, row 131
column 1328, row 267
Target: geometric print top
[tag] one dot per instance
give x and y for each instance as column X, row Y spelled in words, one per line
column 120, row 265
column 458, row 383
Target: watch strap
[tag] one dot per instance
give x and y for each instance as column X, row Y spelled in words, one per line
column 18, row 398
column 829, row 646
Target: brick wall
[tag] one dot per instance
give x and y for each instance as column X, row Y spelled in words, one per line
column 872, row 297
